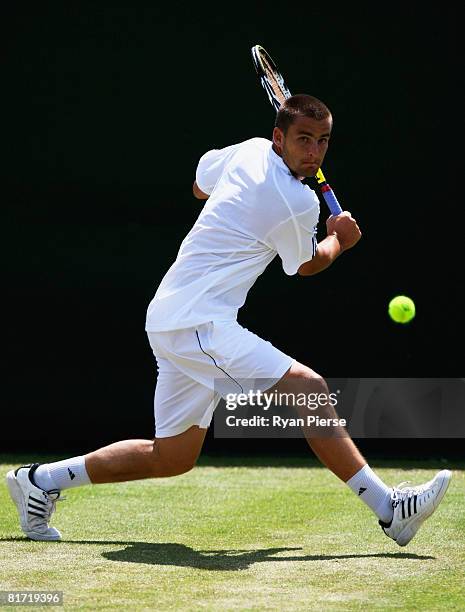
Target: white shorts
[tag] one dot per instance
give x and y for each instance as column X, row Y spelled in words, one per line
column 199, row 365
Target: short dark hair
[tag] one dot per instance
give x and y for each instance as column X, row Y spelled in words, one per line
column 300, row 105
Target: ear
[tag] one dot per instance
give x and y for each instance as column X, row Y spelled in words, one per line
column 278, row 138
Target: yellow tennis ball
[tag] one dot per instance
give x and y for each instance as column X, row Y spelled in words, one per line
column 401, row 309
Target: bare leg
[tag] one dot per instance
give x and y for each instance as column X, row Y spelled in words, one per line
column 137, row 459
column 339, row 453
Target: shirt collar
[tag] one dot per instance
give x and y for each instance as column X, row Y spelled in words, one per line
column 277, row 159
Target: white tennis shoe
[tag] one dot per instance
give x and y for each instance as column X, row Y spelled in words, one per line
column 413, row 505
column 35, row 506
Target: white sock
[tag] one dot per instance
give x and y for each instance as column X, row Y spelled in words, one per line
column 372, row 490
column 62, row 474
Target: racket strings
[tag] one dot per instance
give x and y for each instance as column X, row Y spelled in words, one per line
column 273, row 79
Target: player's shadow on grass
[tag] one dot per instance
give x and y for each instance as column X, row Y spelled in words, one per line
column 184, row 556
column 180, row 555
column 230, row 560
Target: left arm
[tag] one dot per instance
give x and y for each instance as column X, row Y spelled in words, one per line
column 328, row 250
column 343, row 234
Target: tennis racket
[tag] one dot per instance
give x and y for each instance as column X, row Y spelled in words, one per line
column 273, row 83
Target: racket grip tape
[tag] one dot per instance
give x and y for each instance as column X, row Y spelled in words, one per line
column 331, row 200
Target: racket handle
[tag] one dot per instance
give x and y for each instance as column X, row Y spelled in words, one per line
column 331, row 200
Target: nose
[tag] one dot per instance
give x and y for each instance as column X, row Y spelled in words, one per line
column 313, row 148
column 311, row 151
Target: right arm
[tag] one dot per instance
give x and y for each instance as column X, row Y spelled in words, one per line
column 209, row 169
column 198, row 193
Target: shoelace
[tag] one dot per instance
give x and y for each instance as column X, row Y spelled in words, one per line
column 53, row 500
column 402, row 492
column 402, row 489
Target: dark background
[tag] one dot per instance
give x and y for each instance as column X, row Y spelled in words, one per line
column 106, row 113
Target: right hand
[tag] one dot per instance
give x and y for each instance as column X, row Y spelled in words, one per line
column 346, row 229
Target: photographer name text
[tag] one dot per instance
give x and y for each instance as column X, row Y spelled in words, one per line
column 283, row 423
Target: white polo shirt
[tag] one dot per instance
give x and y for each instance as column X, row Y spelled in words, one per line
column 256, row 210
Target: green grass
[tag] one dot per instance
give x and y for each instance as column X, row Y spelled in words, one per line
column 239, row 537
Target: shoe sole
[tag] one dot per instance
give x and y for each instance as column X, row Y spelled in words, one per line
column 410, row 531
column 18, row 500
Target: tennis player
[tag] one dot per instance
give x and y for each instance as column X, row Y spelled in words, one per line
column 257, row 207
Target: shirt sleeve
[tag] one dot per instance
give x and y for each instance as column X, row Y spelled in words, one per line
column 295, row 240
column 211, row 167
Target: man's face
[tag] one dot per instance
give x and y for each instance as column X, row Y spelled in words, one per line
column 304, row 146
